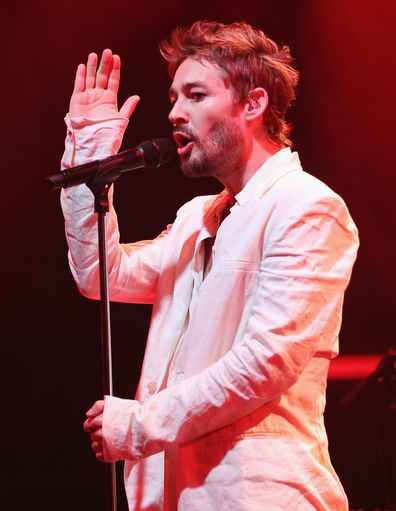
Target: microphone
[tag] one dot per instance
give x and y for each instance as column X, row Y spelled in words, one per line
column 149, row 154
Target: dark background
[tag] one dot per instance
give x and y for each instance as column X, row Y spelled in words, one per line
column 344, row 132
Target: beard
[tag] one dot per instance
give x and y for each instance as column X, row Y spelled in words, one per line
column 221, row 154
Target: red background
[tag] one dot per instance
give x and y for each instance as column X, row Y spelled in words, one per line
column 344, row 132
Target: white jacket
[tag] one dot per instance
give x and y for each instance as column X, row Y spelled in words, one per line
column 233, row 382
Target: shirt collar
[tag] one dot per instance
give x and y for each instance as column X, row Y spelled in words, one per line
column 278, row 165
column 215, row 210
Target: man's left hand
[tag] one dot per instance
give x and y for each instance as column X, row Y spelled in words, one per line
column 93, row 426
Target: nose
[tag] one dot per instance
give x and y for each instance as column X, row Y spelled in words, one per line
column 178, row 114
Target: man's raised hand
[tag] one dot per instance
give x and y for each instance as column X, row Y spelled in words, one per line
column 95, row 89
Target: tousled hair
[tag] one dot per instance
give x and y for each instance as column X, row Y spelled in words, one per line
column 248, row 57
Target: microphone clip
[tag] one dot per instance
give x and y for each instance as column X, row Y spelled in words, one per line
column 108, row 172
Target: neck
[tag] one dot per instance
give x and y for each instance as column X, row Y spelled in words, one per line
column 258, row 153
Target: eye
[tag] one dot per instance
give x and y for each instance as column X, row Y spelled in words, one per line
column 197, row 96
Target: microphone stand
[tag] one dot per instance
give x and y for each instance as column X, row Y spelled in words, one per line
column 99, row 185
column 151, row 153
column 99, row 176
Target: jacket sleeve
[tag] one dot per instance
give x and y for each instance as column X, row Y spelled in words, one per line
column 305, row 268
column 134, row 267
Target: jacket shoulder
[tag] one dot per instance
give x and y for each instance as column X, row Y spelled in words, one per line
column 301, row 189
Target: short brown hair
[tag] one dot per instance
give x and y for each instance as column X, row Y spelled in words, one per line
column 249, row 58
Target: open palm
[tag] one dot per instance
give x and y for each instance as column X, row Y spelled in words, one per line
column 95, row 89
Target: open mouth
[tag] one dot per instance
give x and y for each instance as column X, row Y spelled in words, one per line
column 184, row 143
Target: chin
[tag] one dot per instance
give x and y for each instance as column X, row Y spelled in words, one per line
column 196, row 167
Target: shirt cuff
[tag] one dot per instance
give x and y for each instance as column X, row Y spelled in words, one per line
column 118, row 438
column 89, row 139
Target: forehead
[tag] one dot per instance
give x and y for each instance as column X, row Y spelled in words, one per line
column 192, row 71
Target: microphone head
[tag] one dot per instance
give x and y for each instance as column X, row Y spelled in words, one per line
column 157, row 151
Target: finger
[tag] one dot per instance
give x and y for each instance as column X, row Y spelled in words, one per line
column 97, row 448
column 96, row 436
column 96, row 408
column 93, row 424
column 79, row 82
column 114, row 77
column 129, row 106
column 102, row 76
column 87, row 426
column 91, row 71
column 99, row 456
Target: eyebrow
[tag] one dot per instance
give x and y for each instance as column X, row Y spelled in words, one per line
column 188, row 86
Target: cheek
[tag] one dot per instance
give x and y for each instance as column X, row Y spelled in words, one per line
column 205, row 124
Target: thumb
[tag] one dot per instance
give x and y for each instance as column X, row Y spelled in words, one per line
column 96, row 409
column 129, row 106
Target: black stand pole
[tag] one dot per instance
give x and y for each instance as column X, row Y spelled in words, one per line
column 100, row 186
column 101, row 208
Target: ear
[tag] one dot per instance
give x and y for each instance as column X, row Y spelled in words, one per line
column 256, row 103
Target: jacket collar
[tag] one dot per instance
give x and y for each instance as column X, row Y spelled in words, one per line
column 277, row 166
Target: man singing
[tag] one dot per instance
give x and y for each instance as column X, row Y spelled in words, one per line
column 246, row 286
